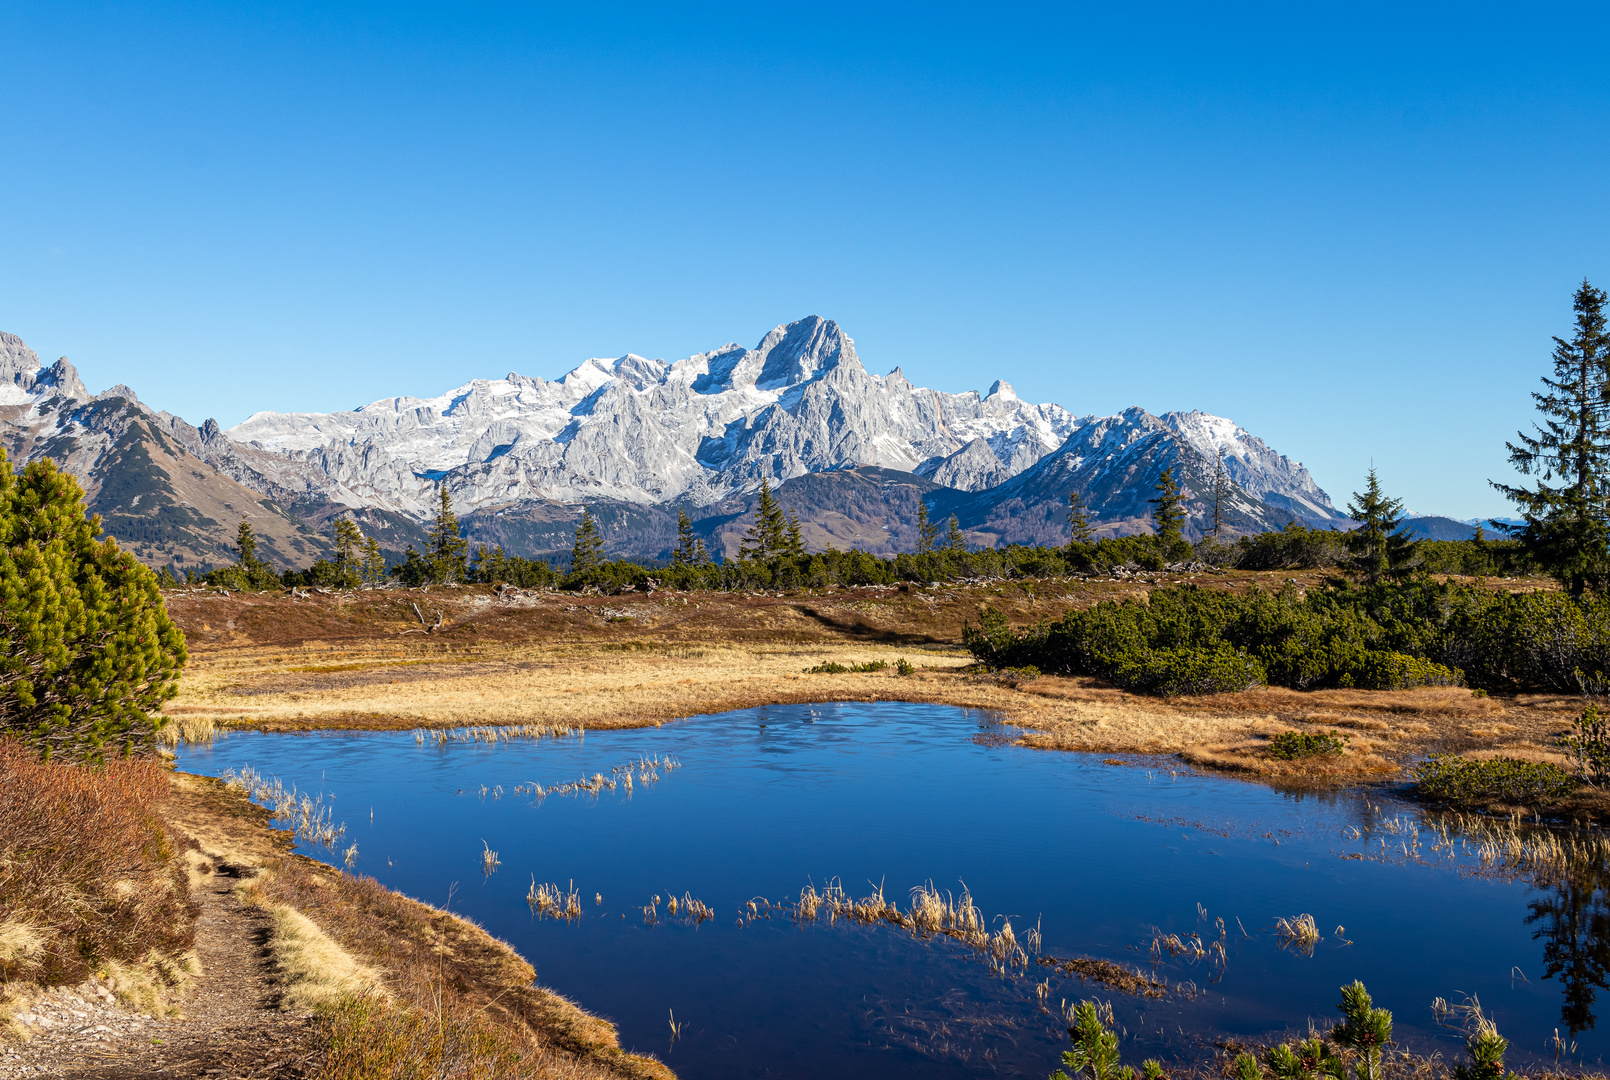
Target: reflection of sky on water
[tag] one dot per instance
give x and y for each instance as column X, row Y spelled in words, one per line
column 1098, row 855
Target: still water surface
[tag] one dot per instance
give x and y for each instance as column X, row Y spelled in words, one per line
column 1098, row 855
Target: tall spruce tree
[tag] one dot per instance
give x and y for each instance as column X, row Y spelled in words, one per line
column 1569, row 454
column 89, row 653
column 587, row 554
column 954, row 540
column 793, row 538
column 1221, row 491
column 348, row 562
column 768, row 534
column 1377, row 549
column 446, row 550
column 374, row 563
column 250, row 570
column 1078, row 519
column 686, row 552
column 1168, row 515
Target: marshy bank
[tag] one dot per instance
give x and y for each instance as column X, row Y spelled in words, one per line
column 1207, row 912
column 552, row 662
column 158, row 923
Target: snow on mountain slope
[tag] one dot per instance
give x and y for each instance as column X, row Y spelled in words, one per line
column 648, row 431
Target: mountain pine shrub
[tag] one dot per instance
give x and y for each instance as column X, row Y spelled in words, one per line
column 90, row 654
column 1462, row 781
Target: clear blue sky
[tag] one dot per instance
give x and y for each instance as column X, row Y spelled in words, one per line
column 1352, row 230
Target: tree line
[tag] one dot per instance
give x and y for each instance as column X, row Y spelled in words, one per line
column 1565, row 529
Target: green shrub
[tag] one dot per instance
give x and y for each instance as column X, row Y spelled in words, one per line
column 1190, row 671
column 1467, row 781
column 1291, row 745
column 831, row 668
column 1383, row 669
column 903, row 667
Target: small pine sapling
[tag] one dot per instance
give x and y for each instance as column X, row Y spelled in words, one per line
column 1095, row 1051
column 1311, row 1059
column 1364, row 1030
column 1486, row 1049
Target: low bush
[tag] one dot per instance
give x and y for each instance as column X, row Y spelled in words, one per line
column 1173, row 672
column 1383, row 669
column 1471, row 782
column 87, row 873
column 1391, row 636
column 829, row 667
column 1291, row 745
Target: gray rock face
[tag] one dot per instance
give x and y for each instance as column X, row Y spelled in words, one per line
column 646, row 431
column 643, row 436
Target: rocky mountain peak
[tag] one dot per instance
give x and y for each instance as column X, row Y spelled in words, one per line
column 798, row 352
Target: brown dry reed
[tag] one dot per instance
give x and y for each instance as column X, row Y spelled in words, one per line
column 89, row 876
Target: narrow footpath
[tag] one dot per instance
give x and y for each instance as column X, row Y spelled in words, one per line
column 231, row 1028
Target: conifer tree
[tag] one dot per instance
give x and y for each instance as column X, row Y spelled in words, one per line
column 446, row 551
column 374, row 563
column 927, row 531
column 1168, row 513
column 348, row 565
column 954, row 540
column 1221, row 491
column 1078, row 519
column 249, row 571
column 1565, row 513
column 768, row 533
column 1376, row 547
column 587, row 554
column 89, row 654
column 686, row 552
column 793, row 539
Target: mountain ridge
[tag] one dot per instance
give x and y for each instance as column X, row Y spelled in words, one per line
column 520, row 455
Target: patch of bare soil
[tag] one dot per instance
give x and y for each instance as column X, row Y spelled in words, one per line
column 231, row 1025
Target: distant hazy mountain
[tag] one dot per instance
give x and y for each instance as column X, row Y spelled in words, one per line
column 634, row 439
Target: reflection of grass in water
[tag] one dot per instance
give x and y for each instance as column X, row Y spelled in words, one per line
column 547, row 901
column 310, row 819
column 639, row 771
column 1297, row 932
column 500, row 734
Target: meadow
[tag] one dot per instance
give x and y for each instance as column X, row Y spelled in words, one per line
column 551, row 661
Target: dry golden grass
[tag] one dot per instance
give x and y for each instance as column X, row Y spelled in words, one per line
column 562, row 661
column 313, row 970
column 374, row 963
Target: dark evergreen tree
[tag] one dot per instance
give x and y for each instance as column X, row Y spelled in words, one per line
column 1221, row 491
column 587, row 554
column 1376, row 548
column 1168, row 514
column 687, row 550
column 446, row 550
column 927, row 531
column 249, row 572
column 1564, row 514
column 793, row 539
column 1078, row 519
column 374, row 563
column 768, row 534
column 347, row 567
column 954, row 540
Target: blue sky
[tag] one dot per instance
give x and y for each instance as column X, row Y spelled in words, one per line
column 1352, row 229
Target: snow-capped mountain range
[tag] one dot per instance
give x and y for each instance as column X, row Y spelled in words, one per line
column 699, row 433
column 705, row 428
